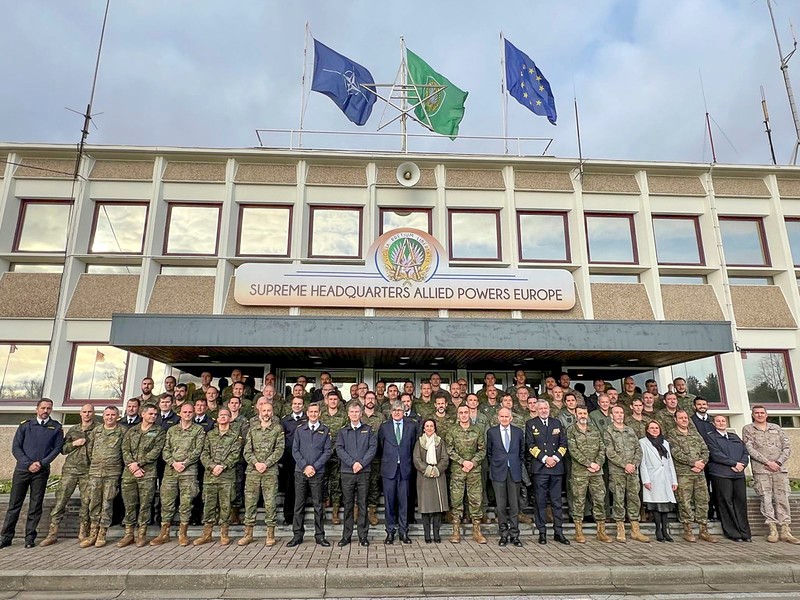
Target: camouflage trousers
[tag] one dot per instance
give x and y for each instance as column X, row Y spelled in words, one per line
column 471, row 483
column 692, row 497
column 218, row 495
column 66, row 487
column 597, row 491
column 257, row 484
column 333, row 481
column 374, row 485
column 184, row 484
column 773, row 490
column 102, row 491
column 137, row 495
column 625, row 489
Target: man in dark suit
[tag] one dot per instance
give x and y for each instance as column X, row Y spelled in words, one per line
column 505, row 451
column 396, row 439
column 131, row 416
column 705, row 426
column 290, row 423
column 547, row 444
column 727, row 461
column 311, row 449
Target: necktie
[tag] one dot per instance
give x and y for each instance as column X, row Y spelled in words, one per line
column 313, row 428
column 397, row 434
column 506, row 440
column 296, row 418
column 545, row 423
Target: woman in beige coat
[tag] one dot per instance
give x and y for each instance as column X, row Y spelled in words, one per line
column 431, row 460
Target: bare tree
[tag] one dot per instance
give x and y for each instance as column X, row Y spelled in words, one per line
column 33, row 388
column 771, row 371
column 114, row 381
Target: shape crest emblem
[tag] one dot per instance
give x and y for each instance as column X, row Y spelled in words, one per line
column 408, row 258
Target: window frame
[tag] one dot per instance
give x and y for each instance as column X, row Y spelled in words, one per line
column 23, row 207
column 632, row 228
column 170, row 206
column 242, row 207
column 762, row 239
column 792, row 219
column 787, row 362
column 383, row 209
column 12, row 401
column 312, row 208
column 701, row 256
column 69, row 401
column 98, row 204
column 549, row 213
column 491, row 211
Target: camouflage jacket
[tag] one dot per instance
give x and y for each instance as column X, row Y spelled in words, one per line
column 686, row 449
column 183, row 445
column 585, row 448
column 466, row 444
column 222, row 449
column 264, row 445
column 622, row 448
column 144, row 448
column 105, row 451
column 77, row 462
column 765, row 446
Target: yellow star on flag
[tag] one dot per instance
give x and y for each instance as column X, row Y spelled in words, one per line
column 541, row 88
column 530, row 71
column 522, row 84
column 538, row 103
column 538, row 78
column 525, row 94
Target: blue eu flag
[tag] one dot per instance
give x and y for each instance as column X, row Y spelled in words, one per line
column 527, row 84
column 341, row 80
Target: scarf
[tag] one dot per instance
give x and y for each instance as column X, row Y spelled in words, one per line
column 658, row 444
column 429, row 444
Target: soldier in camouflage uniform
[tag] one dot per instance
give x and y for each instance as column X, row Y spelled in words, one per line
column 636, row 419
column 374, row 419
column 489, row 381
column 181, row 454
column 690, row 457
column 491, row 405
column 587, row 453
column 601, row 418
column 666, row 416
column 466, row 445
column 74, row 473
column 141, row 448
column 685, row 399
column 424, row 406
column 335, row 418
column 205, row 383
column 239, row 422
column 105, row 468
column 624, row 456
column 568, row 415
column 263, row 448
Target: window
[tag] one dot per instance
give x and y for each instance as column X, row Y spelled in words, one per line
column 192, row 229
column 683, row 279
column 395, row 218
column 607, row 278
column 23, row 371
column 768, row 377
column 543, row 237
column 42, row 226
column 678, row 240
column 118, row 228
column 335, row 232
column 37, row 268
column 98, row 373
column 474, row 235
column 793, row 230
column 782, row 421
column 114, row 269
column 750, row 280
column 702, row 379
column 172, row 270
column 744, row 242
column 264, row 231
column 610, row 239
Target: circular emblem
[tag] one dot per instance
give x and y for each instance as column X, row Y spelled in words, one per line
column 407, row 257
column 435, row 97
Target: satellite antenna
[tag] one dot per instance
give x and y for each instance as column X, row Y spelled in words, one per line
column 785, row 70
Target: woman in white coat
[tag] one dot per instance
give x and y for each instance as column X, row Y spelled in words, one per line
column 659, row 481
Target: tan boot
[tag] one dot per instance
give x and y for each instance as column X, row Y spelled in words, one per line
column 90, row 539
column 456, row 537
column 163, row 537
column 621, row 532
column 355, row 513
column 205, row 537
column 477, row 536
column 235, row 517
column 83, row 532
column 52, row 536
column 523, row 518
column 579, row 537
column 183, row 534
column 448, row 516
column 248, row 536
column 101, row 537
column 224, row 535
column 786, row 535
column 270, row 541
column 128, row 538
column 705, row 534
column 636, row 533
column 772, row 536
column 601, row 533
column 687, row 533
column 141, row 539
column 335, row 514
column 372, row 515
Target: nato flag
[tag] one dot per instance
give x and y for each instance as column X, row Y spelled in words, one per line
column 341, row 80
column 527, row 84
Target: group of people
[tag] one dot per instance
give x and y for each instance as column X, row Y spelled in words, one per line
column 446, row 453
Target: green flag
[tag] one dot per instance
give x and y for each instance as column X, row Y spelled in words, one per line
column 445, row 108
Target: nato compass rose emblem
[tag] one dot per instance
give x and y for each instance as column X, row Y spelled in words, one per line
column 408, row 258
column 350, row 81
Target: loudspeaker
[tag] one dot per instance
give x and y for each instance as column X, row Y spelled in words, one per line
column 407, row 174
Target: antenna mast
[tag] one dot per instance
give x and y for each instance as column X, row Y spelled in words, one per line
column 766, row 125
column 785, row 70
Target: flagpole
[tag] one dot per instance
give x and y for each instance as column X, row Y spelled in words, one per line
column 94, row 369
column 503, row 95
column 403, row 99
column 5, row 370
column 578, row 130
column 303, row 86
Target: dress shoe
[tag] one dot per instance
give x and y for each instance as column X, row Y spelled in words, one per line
column 364, row 543
column 343, row 542
column 30, row 544
column 294, row 542
column 389, row 538
column 286, row 522
column 503, row 542
column 5, row 543
column 559, row 537
column 542, row 538
column 324, row 543
column 516, row 543
column 404, row 538
column 743, row 539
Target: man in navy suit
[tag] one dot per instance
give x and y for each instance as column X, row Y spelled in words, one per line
column 505, row 451
column 705, row 426
column 396, row 439
column 547, row 444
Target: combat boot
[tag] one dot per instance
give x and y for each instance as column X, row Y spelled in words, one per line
column 52, row 536
column 601, row 533
column 523, row 518
column 335, row 514
column 786, row 534
column 477, row 536
column 456, row 537
column 90, row 539
column 270, row 541
column 687, row 533
column 235, row 517
column 621, row 532
column 579, row 537
column 773, row 537
column 128, row 538
column 636, row 533
column 372, row 513
column 248, row 536
column 83, row 532
column 163, row 537
column 224, row 535
column 183, row 534
column 705, row 534
column 205, row 537
column 141, row 539
column 101, row 537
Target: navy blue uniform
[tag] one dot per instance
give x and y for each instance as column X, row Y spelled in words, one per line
column 543, row 441
column 310, row 448
column 290, row 423
column 355, row 446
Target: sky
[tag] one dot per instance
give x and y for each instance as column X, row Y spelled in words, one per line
column 209, row 73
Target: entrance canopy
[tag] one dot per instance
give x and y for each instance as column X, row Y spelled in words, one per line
column 307, row 342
